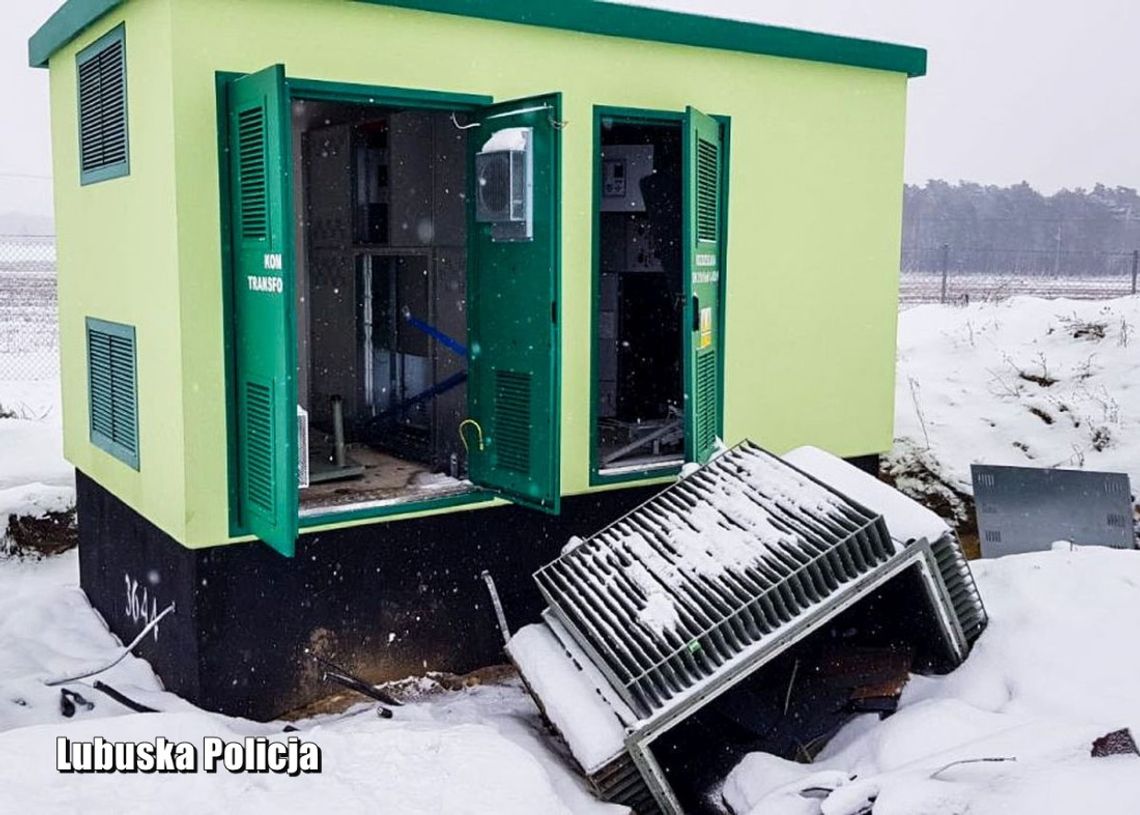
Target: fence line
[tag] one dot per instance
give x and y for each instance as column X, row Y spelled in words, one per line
column 946, row 274
column 29, row 315
column 29, row 332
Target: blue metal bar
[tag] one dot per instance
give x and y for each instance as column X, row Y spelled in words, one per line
column 433, row 332
column 453, row 381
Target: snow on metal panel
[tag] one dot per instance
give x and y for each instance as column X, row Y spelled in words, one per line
column 667, row 595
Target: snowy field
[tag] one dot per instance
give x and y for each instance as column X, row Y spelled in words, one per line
column 1025, row 382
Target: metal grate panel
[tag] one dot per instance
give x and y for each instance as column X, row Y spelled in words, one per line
column 259, row 445
column 103, row 108
column 254, row 192
column 708, row 190
column 669, row 594
column 960, row 586
column 113, row 388
column 512, row 420
column 706, row 398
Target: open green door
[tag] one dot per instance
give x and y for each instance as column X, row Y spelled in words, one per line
column 513, row 335
column 265, row 363
column 703, row 338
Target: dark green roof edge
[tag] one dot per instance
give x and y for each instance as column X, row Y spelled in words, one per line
column 586, row 16
column 641, row 23
column 68, row 22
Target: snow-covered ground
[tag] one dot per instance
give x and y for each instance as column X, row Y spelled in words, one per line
column 479, row 750
column 1055, row 670
column 1026, row 382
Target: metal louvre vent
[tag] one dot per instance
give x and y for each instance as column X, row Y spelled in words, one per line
column 259, row 445
column 708, row 190
column 512, row 420
column 706, row 406
column 252, row 174
column 112, row 389
column 665, row 597
column 103, row 108
column 620, row 782
column 960, row 586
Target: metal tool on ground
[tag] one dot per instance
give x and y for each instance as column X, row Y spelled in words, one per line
column 331, row 672
column 69, row 700
column 122, row 699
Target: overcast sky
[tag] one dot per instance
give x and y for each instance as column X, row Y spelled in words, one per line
column 1037, row 90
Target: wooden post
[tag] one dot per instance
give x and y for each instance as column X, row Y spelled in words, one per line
column 1135, row 267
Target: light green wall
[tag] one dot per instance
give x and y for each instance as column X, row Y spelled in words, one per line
column 814, row 219
column 118, row 262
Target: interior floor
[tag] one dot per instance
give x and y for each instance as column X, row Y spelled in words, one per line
column 385, row 478
column 640, row 396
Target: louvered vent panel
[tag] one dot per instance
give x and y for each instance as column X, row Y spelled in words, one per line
column 122, row 358
column 960, row 585
column 512, row 420
column 112, row 389
column 259, row 445
column 254, row 195
column 708, row 190
column 667, row 596
column 103, row 108
column 101, row 383
column 706, row 407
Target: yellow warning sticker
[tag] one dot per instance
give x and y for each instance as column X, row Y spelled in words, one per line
column 706, row 328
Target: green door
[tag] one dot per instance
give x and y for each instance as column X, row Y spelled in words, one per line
column 261, row 233
column 513, row 275
column 703, row 338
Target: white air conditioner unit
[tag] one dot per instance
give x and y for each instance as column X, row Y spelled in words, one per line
column 302, row 447
column 504, row 188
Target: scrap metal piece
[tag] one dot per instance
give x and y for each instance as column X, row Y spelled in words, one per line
column 691, row 594
column 1026, row 509
column 672, row 592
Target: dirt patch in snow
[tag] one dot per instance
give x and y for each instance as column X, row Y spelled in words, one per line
column 49, row 534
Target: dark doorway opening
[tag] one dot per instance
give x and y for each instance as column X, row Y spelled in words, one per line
column 640, row 390
column 381, row 303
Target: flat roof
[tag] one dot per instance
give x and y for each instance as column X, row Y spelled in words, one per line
column 585, row 16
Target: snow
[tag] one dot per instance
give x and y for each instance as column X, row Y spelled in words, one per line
column 585, row 720
column 511, row 138
column 474, row 751
column 1055, row 669
column 906, row 519
column 972, row 386
column 34, row 478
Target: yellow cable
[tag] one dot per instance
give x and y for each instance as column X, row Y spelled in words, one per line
column 463, row 438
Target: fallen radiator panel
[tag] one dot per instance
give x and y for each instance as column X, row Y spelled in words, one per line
column 692, row 593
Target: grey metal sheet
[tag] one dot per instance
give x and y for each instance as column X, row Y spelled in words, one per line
column 1026, row 509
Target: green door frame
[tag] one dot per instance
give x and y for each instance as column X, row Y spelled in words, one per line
column 628, row 115
column 327, row 91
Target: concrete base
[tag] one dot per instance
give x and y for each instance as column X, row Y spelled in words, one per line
column 385, row 601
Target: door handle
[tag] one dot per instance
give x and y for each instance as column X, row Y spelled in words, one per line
column 696, row 313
